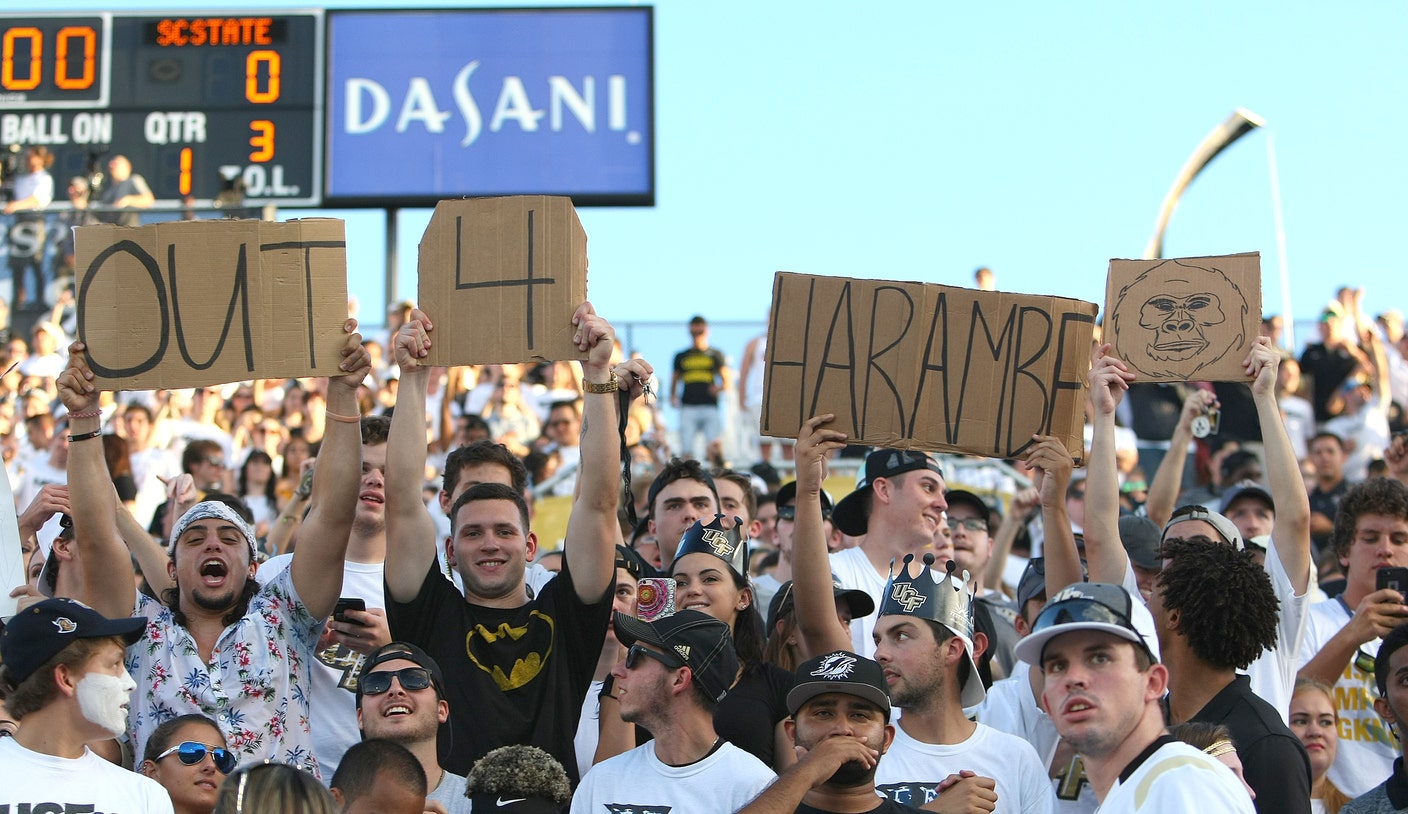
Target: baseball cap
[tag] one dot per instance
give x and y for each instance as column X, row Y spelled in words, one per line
column 859, row 602
column 1225, row 529
column 967, row 498
column 1141, row 540
column 38, row 633
column 401, row 651
column 205, row 510
column 1091, row 606
column 787, row 493
column 1243, row 489
column 843, row 672
column 850, row 515
column 703, row 642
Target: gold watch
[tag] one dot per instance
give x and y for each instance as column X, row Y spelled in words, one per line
column 605, row 387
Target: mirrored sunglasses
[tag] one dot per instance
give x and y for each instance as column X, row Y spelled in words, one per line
column 192, row 753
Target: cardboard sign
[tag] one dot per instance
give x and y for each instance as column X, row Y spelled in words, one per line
column 1184, row 319
column 198, row 303
column 923, row 366
column 507, row 273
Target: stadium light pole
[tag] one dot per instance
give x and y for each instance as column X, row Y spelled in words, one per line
column 1241, row 122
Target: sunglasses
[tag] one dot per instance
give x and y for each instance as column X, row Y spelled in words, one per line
column 220, row 462
column 969, row 523
column 192, row 753
column 789, row 513
column 411, row 678
column 633, row 657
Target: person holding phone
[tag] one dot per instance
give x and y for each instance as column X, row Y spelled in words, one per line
column 1343, row 634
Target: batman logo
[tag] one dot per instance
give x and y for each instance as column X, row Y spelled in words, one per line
column 513, row 656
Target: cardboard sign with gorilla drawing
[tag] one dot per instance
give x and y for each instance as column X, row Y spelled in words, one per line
column 1184, row 319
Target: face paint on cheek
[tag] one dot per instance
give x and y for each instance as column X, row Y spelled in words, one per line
column 101, row 699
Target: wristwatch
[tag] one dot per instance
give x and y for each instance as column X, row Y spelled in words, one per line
column 605, row 387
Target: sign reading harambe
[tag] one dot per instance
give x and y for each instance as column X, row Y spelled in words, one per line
column 508, row 273
column 198, row 303
column 922, row 366
column 1184, row 319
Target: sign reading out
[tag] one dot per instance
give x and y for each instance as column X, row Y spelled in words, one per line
column 198, row 303
column 507, row 274
column 920, row 366
column 1184, row 319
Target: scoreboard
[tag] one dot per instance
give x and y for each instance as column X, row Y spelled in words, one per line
column 197, row 103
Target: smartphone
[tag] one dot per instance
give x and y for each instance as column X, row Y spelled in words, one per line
column 345, row 604
column 655, row 598
column 1394, row 577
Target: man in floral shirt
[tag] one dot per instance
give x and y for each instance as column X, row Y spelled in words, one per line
column 218, row 643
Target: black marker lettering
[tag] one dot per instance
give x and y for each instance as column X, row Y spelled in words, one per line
column 163, row 329
column 873, row 356
column 239, row 292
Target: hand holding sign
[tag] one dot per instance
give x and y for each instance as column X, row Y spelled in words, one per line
column 1261, row 364
column 412, row 343
column 77, row 390
column 1109, row 379
column 356, row 362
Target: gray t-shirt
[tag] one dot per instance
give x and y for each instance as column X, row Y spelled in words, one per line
column 450, row 794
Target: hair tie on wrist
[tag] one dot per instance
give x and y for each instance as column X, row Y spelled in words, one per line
column 95, row 413
column 345, row 419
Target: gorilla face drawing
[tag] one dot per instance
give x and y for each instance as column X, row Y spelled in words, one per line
column 1179, row 307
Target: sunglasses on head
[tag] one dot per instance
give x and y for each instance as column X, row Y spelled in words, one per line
column 789, row 513
column 411, row 678
column 191, row 753
column 1080, row 610
column 636, row 652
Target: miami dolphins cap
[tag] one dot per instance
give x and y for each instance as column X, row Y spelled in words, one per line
column 38, row 633
column 842, row 672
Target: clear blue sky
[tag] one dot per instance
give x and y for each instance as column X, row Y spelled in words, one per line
column 919, row 140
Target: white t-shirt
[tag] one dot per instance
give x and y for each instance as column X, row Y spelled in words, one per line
column 726, row 780
column 333, row 710
column 31, row 781
column 1176, row 779
column 1010, row 707
column 854, row 572
column 588, row 727
column 911, row 770
column 1366, row 747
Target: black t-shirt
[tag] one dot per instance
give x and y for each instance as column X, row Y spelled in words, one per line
column 1327, row 370
column 698, row 371
column 748, row 716
column 513, row 676
column 1273, row 760
column 886, row 806
column 1155, row 410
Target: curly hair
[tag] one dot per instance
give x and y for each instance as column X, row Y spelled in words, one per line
column 1383, row 496
column 1227, row 609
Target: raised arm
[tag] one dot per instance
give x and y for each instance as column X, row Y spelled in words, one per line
column 592, row 528
column 1168, row 480
column 316, row 569
column 1104, row 553
column 1290, row 533
column 1053, row 464
column 104, row 564
column 817, row 625
column 410, row 531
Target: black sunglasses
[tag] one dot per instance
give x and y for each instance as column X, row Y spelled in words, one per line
column 411, row 678
column 789, row 513
column 192, row 753
column 634, row 655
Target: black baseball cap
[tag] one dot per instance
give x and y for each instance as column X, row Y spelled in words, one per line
column 851, row 515
column 1246, row 488
column 860, row 602
column 787, row 493
column 1141, row 541
column 41, row 631
column 842, row 672
column 967, row 498
column 704, row 643
column 1033, row 581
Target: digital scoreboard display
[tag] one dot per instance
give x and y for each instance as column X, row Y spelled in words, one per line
column 196, row 102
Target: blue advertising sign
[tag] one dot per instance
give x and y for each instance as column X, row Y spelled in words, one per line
column 429, row 105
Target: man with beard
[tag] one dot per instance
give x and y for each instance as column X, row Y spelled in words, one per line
column 401, row 698
column 218, row 643
column 352, row 634
column 61, row 676
column 840, row 727
column 677, row 669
